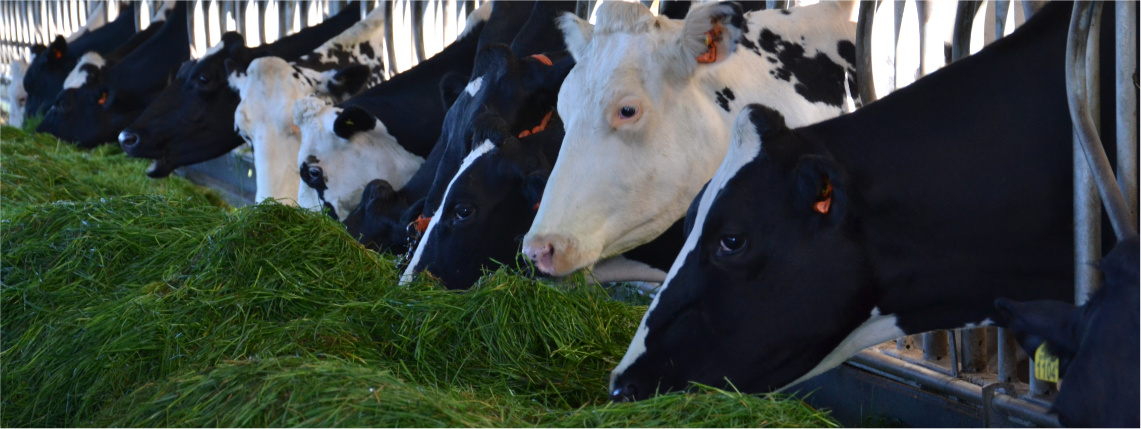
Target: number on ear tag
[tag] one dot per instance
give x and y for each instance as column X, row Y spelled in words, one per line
column 1045, row 365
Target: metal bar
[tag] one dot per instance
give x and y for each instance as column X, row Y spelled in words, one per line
column 1082, row 101
column 1002, row 7
column 864, row 52
column 934, row 345
column 1007, row 356
column 417, row 9
column 1126, row 15
column 389, row 36
column 961, row 389
column 974, row 354
column 964, row 21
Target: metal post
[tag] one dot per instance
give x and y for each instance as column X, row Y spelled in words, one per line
column 934, row 345
column 964, row 21
column 974, row 356
column 1007, row 356
column 1002, row 7
column 1126, row 16
column 417, row 9
column 389, row 36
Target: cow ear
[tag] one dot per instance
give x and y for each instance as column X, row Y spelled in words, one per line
column 577, row 34
column 552, row 77
column 58, row 48
column 348, row 81
column 708, row 36
column 451, row 86
column 1037, row 322
column 819, row 189
column 353, row 120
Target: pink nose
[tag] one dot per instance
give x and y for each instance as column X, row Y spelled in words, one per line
column 542, row 253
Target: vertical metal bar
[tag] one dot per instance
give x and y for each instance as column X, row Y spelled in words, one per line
column 1087, row 206
column 1126, row 17
column 973, row 343
column 305, row 7
column 389, row 36
column 240, row 15
column 283, row 21
column 964, row 21
column 1007, row 356
column 1000, row 12
column 934, row 345
column 417, row 9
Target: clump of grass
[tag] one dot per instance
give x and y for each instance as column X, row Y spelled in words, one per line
column 39, row 168
column 152, row 310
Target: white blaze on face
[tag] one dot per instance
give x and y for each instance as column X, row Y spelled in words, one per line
column 473, row 87
column 348, row 165
column 746, row 146
column 410, row 272
column 78, row 75
column 620, row 183
column 17, row 96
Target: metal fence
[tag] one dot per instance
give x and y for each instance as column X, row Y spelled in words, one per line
column 896, row 43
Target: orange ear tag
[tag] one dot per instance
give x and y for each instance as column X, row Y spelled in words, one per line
column 57, row 54
column 421, row 223
column 824, row 199
column 543, row 59
column 536, row 206
column 538, row 128
column 710, row 37
column 102, row 99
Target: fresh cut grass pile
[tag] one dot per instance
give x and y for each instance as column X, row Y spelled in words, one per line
column 144, row 303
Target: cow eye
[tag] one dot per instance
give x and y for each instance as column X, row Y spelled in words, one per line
column 731, row 244
column 203, row 79
column 315, row 173
column 464, row 212
column 627, row 112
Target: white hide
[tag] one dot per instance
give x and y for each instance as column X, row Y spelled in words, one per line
column 348, row 164
column 268, row 92
column 17, row 96
column 616, row 187
column 78, row 75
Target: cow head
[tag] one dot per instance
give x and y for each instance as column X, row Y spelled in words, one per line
column 769, row 233
column 488, row 204
column 1096, row 344
column 16, row 93
column 91, row 110
column 377, row 219
column 192, row 120
column 46, row 73
column 264, row 117
column 341, row 150
column 630, row 107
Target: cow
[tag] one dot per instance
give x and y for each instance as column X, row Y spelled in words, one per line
column 101, row 97
column 490, row 202
column 521, row 89
column 1096, row 345
column 388, row 131
column 911, row 214
column 647, row 87
column 17, row 97
column 192, row 120
column 49, row 67
column 271, row 87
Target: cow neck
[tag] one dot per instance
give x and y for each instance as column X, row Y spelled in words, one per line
column 292, row 47
column 147, row 70
column 954, row 116
column 105, row 39
column 409, row 104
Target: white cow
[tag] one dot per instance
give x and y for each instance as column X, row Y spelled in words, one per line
column 647, row 95
column 17, row 96
column 271, row 87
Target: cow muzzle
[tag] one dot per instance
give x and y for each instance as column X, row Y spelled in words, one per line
column 554, row 254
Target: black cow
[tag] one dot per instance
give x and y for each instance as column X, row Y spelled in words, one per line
column 44, row 77
column 192, row 120
column 912, row 214
column 98, row 110
column 1096, row 344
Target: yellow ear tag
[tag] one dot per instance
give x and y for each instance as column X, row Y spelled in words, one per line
column 349, row 123
column 1045, row 365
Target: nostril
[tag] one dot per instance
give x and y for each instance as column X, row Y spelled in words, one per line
column 626, row 393
column 128, row 139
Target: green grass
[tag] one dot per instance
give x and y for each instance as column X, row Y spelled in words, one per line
column 145, row 304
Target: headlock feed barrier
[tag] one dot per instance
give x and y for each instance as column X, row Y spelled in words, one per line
column 977, row 369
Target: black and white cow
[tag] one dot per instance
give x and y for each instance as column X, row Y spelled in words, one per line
column 50, row 65
column 271, row 87
column 387, row 132
column 1096, row 345
column 911, row 214
column 98, row 102
column 192, row 120
column 647, row 87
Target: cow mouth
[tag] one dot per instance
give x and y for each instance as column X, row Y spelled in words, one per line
column 159, row 168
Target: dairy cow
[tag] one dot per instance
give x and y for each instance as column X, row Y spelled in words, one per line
column 271, row 86
column 646, row 88
column 192, row 120
column 17, row 96
column 1096, row 345
column 388, row 131
column 911, row 214
column 50, row 65
column 101, row 97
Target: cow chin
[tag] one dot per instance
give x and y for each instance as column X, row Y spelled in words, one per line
column 159, row 168
column 559, row 255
